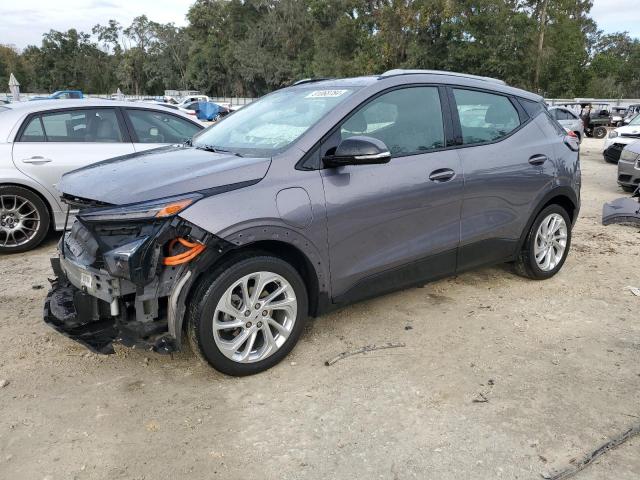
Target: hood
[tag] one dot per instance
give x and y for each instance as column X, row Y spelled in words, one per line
column 629, row 130
column 159, row 173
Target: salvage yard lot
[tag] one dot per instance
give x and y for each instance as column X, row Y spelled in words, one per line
column 501, row 377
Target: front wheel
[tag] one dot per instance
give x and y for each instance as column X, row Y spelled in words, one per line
column 547, row 244
column 247, row 315
column 24, row 219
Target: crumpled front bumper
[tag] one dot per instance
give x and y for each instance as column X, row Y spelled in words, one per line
column 624, row 210
column 80, row 305
column 70, row 311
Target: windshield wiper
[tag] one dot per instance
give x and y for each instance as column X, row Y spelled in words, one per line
column 214, row 149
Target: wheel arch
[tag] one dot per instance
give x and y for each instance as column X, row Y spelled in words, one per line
column 563, row 196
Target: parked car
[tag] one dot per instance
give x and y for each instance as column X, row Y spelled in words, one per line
column 600, row 119
column 629, row 167
column 192, row 98
column 569, row 120
column 190, row 108
column 617, row 116
column 43, row 140
column 632, row 112
column 61, row 95
column 205, row 111
column 619, row 138
column 313, row 197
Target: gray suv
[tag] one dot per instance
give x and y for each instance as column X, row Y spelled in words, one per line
column 313, row 197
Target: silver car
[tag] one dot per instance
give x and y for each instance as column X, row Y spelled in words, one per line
column 569, row 120
column 629, row 167
column 40, row 141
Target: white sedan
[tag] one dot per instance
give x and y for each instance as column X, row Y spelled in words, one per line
column 40, row 141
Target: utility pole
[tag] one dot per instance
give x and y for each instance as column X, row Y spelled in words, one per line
column 543, row 24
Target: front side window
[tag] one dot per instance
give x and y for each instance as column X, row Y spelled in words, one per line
column 87, row 125
column 159, row 127
column 269, row 125
column 484, row 117
column 408, row 121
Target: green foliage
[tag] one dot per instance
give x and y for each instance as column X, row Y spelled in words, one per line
column 250, row 47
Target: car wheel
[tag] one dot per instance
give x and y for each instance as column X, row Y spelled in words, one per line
column 628, row 188
column 248, row 314
column 600, row 132
column 547, row 244
column 24, row 219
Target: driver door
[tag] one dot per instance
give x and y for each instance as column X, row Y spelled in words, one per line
column 397, row 223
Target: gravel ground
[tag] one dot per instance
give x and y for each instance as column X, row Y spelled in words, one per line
column 557, row 362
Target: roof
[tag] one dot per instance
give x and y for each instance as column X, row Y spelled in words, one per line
column 427, row 76
column 399, row 71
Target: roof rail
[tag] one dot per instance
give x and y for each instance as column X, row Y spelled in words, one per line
column 399, row 71
column 310, row 80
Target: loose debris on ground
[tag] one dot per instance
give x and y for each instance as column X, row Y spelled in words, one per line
column 576, row 466
column 365, row 349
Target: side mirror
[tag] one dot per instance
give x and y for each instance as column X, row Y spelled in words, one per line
column 358, row 150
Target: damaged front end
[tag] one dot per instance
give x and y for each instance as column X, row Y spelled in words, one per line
column 624, row 210
column 123, row 273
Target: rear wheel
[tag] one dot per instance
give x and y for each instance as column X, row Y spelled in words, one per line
column 24, row 219
column 247, row 315
column 547, row 244
column 599, row 132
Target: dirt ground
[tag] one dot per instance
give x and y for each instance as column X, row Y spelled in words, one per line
column 557, row 361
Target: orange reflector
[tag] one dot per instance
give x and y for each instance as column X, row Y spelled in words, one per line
column 174, row 208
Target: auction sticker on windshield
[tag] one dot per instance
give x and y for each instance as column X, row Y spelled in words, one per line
column 326, row 93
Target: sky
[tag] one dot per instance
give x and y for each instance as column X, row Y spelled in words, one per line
column 24, row 21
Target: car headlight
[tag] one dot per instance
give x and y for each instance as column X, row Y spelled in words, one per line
column 629, row 156
column 162, row 208
column 613, row 134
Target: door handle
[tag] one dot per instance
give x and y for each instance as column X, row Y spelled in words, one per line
column 537, row 159
column 36, row 160
column 442, row 175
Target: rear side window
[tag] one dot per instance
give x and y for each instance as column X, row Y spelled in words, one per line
column 33, row 132
column 485, row 117
column 408, row 121
column 78, row 126
column 532, row 108
column 159, row 127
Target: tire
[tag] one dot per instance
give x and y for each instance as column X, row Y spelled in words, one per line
column 526, row 263
column 225, row 283
column 24, row 219
column 628, row 188
column 599, row 132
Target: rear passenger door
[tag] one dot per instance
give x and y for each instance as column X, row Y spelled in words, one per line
column 50, row 144
column 508, row 163
column 393, row 224
column 152, row 128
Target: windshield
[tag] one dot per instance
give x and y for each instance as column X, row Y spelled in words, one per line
column 269, row 125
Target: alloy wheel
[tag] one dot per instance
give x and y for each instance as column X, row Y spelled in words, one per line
column 19, row 221
column 551, row 242
column 254, row 317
